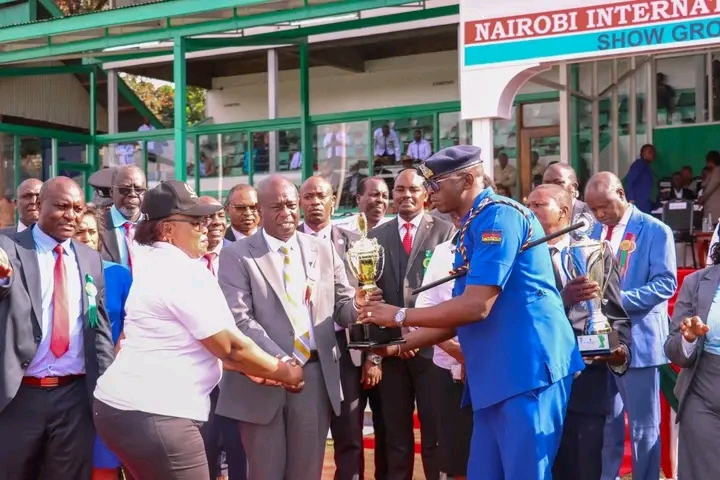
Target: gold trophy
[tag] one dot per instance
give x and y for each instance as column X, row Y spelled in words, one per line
column 366, row 258
column 586, row 258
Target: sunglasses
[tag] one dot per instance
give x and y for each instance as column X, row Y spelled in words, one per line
column 125, row 191
column 433, row 186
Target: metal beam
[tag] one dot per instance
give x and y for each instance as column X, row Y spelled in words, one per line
column 51, row 70
column 180, row 124
column 160, row 34
column 351, row 60
column 544, row 82
column 621, row 79
column 306, row 134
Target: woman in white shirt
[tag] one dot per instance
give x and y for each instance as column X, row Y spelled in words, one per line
column 150, row 403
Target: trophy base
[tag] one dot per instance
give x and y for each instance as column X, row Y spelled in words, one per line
column 365, row 336
column 598, row 345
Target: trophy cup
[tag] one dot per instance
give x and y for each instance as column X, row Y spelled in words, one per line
column 586, row 258
column 366, row 258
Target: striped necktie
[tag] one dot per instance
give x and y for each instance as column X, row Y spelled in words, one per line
column 301, row 347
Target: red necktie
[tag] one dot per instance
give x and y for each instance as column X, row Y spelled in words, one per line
column 60, row 337
column 210, row 259
column 128, row 240
column 407, row 239
column 608, row 234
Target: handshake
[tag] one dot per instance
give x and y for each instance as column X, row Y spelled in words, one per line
column 291, row 374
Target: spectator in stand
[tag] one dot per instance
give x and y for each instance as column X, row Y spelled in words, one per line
column 639, row 180
column 710, row 198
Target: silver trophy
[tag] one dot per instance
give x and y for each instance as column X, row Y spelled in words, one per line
column 586, row 258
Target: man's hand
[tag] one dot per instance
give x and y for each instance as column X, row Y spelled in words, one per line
column 371, row 374
column 363, row 297
column 5, row 267
column 409, row 354
column 389, row 351
column 378, row 313
column 578, row 290
column 294, row 383
column 693, row 327
column 617, row 358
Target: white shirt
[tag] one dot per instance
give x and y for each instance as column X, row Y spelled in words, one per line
column 238, row 235
column 713, row 241
column 297, row 273
column 325, row 233
column 619, row 230
column 419, row 150
column 440, row 264
column 334, row 143
column 44, row 364
column 383, row 145
column 351, row 224
column 415, row 224
column 162, row 368
column 296, row 161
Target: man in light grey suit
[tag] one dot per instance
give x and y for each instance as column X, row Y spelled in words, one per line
column 563, row 175
column 286, row 290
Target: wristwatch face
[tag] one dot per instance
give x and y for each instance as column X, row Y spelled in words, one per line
column 376, row 359
column 400, row 317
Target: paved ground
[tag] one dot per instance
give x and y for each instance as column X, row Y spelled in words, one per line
column 329, row 466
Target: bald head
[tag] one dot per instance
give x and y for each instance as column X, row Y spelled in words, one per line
column 208, row 200
column 605, row 196
column 62, row 204
column 315, row 182
column 26, row 201
column 279, row 208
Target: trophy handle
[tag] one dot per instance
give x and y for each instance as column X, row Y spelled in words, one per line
column 381, row 262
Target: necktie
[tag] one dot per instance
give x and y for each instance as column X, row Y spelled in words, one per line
column 301, row 346
column 210, row 259
column 557, row 265
column 128, row 240
column 608, row 234
column 60, row 336
column 407, row 239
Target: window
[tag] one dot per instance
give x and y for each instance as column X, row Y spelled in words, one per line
column 680, row 86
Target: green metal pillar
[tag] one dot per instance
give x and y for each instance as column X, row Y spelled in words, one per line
column 180, row 124
column 306, row 146
column 92, row 152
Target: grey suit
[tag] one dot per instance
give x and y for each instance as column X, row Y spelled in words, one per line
column 284, row 433
column 28, row 413
column 110, row 248
column 406, row 382
column 696, row 389
column 8, row 230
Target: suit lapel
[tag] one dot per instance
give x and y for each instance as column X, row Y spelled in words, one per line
column 309, row 253
column 424, row 228
column 268, row 268
column 84, row 268
column 393, row 244
column 110, row 241
column 31, row 272
column 632, row 230
column 706, row 291
column 229, row 235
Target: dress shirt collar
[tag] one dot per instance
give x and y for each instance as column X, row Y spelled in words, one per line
column 562, row 243
column 238, row 235
column 323, row 233
column 21, row 227
column 217, row 249
column 45, row 243
column 415, row 221
column 626, row 217
column 274, row 244
column 118, row 220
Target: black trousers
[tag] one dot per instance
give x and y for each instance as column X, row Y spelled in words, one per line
column 455, row 426
column 47, row 433
column 347, row 428
column 406, row 383
column 580, row 454
column 153, row 447
column 235, row 455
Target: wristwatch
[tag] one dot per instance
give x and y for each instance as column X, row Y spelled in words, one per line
column 375, row 359
column 400, row 317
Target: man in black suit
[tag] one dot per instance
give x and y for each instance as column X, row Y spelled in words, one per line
column 56, row 342
column 409, row 241
column 241, row 206
column 127, row 191
column 26, row 203
column 580, row 453
column 359, row 374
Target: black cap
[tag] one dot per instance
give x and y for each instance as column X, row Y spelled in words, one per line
column 171, row 197
column 449, row 160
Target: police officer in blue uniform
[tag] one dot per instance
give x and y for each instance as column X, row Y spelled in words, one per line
column 520, row 351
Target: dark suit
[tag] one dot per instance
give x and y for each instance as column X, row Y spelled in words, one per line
column 110, row 250
column 347, row 428
column 46, row 428
column 406, row 382
column 229, row 235
column 580, row 454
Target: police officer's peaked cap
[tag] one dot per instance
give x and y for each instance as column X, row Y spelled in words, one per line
column 449, row 160
column 102, row 179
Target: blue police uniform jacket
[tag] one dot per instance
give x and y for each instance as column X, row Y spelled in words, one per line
column 526, row 342
column 117, row 287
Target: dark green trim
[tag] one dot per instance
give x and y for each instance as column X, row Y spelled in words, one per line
column 257, row 125
column 164, row 134
column 91, row 151
column 574, row 85
column 306, row 130
column 44, row 133
column 180, row 114
column 16, row 167
column 51, row 70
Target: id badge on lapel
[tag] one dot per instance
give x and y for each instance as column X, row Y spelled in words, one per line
column 312, row 278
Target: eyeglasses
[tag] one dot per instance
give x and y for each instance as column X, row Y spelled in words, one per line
column 197, row 223
column 244, row 208
column 433, row 186
column 125, row 191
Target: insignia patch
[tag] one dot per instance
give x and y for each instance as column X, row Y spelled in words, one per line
column 190, row 190
column 491, row 237
column 425, row 171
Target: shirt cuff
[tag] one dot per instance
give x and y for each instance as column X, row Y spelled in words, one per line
column 688, row 347
column 620, row 369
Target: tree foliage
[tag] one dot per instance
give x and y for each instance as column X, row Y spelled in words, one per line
column 72, row 7
column 161, row 100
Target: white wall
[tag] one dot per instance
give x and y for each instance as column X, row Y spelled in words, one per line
column 57, row 99
column 394, row 82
